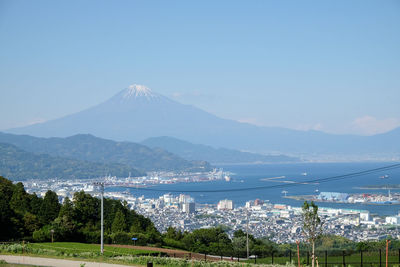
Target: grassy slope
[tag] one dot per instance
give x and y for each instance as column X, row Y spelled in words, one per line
column 77, row 248
column 117, row 255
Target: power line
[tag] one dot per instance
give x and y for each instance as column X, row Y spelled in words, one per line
column 320, row 180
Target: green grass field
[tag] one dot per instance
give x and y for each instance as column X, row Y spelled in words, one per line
column 91, row 253
column 80, row 248
column 72, row 250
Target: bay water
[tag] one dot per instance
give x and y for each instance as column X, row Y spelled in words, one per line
column 247, row 177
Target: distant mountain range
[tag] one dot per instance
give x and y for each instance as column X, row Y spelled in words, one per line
column 137, row 113
column 17, row 164
column 93, row 149
column 191, row 151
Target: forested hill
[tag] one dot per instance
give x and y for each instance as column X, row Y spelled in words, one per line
column 90, row 148
column 29, row 217
column 18, row 164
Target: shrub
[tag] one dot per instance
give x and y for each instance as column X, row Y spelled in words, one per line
column 91, row 236
column 173, row 243
column 142, row 239
column 121, row 238
column 42, row 235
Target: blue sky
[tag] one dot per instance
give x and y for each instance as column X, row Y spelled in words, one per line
column 333, row 66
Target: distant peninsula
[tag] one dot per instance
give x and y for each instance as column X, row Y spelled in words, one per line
column 217, row 156
column 379, row 186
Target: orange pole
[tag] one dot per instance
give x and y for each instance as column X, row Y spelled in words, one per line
column 387, row 251
column 298, row 253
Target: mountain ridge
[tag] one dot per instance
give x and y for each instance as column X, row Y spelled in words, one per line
column 18, row 164
column 93, row 149
column 139, row 118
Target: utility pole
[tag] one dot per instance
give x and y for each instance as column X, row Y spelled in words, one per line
column 387, row 251
column 247, row 233
column 298, row 252
column 52, row 234
column 101, row 184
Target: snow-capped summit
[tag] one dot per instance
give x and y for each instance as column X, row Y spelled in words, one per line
column 135, row 94
column 137, row 90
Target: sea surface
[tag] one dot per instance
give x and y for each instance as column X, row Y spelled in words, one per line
column 251, row 176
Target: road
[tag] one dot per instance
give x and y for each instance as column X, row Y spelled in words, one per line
column 55, row 262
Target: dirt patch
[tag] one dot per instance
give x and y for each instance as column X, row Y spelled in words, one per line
column 176, row 253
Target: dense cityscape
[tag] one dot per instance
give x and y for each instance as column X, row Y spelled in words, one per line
column 279, row 222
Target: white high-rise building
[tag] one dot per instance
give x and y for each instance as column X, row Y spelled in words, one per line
column 249, row 204
column 393, row 220
column 185, row 198
column 364, row 216
column 225, row 204
column 189, row 207
column 168, row 198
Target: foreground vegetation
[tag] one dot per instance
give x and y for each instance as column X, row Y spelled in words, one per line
column 90, row 252
column 72, row 249
column 28, row 217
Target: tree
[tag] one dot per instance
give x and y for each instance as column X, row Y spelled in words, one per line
column 67, row 209
column 19, row 201
column 363, row 246
column 50, row 207
column 87, row 208
column 206, row 240
column 239, row 245
column 312, row 225
column 241, row 233
column 65, row 228
column 171, row 233
column 119, row 223
column 7, row 227
column 31, row 222
column 35, row 203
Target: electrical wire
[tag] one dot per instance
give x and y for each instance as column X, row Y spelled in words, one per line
column 320, row 180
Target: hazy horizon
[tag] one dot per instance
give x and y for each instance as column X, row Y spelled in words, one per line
column 156, row 93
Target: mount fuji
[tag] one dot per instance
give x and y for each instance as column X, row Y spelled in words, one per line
column 138, row 113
